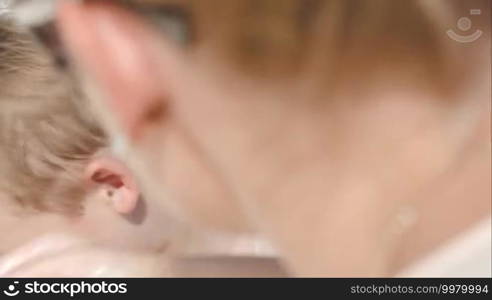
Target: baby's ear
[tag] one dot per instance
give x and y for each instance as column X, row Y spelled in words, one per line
column 109, row 176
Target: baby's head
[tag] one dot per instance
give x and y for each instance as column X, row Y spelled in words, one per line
column 56, row 172
column 46, row 139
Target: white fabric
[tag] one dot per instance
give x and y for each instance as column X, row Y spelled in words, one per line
column 467, row 255
column 209, row 244
column 57, row 255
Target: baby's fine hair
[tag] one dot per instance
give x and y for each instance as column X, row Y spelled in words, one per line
column 46, row 135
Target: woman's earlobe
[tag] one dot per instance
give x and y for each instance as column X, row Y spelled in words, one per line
column 111, row 177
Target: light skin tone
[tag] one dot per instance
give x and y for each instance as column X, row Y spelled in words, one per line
column 114, row 218
column 119, row 234
column 323, row 179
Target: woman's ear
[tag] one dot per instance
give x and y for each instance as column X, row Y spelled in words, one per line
column 109, row 176
column 124, row 57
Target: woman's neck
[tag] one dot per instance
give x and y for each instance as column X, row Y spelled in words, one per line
column 457, row 201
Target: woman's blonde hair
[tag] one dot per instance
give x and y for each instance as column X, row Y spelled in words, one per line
column 289, row 30
column 274, row 38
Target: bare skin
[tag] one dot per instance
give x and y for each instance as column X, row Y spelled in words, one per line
column 117, row 232
column 321, row 178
